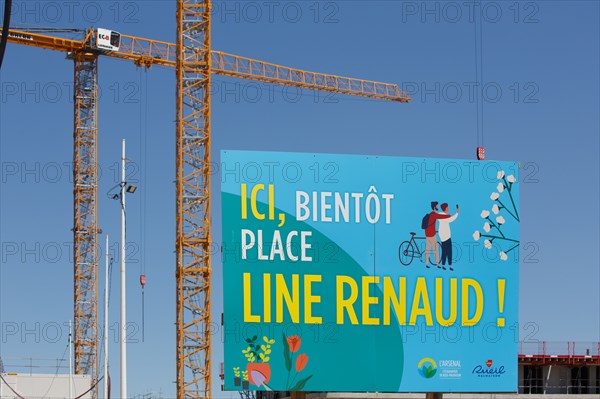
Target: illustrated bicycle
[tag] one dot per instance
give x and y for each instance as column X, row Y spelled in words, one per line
column 408, row 250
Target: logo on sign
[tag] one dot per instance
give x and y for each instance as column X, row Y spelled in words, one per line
column 427, row 367
column 488, row 371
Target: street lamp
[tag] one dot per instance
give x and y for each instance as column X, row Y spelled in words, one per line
column 124, row 187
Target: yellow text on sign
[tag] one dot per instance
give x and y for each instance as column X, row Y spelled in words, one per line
column 441, row 303
column 254, row 193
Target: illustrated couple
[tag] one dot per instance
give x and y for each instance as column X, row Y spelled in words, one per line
column 444, row 219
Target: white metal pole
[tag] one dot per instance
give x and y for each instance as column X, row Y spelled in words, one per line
column 106, row 323
column 70, row 360
column 123, row 335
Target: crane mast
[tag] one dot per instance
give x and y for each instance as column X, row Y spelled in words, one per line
column 193, row 238
column 85, row 211
column 194, row 61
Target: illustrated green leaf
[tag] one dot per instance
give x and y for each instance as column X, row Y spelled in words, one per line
column 248, row 340
column 286, row 354
column 430, row 372
column 254, row 338
column 300, row 384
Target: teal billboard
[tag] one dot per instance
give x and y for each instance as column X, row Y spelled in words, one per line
column 367, row 273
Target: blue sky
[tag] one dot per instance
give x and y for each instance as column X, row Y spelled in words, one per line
column 540, row 70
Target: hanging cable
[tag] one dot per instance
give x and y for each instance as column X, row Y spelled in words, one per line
column 89, row 390
column 481, row 71
column 56, row 372
column 476, row 59
column 11, row 388
column 143, row 111
column 5, row 27
column 479, row 97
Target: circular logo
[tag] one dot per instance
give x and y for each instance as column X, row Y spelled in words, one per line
column 427, row 367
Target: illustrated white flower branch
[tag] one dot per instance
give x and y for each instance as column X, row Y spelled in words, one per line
column 504, row 186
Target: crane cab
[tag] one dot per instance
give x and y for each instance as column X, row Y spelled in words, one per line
column 107, row 40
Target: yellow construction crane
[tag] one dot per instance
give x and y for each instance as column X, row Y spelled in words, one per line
column 194, row 62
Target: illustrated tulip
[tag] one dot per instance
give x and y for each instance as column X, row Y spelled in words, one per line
column 500, row 220
column 487, row 227
column 496, row 209
column 511, row 179
column 503, row 256
column 301, row 362
column 294, row 343
column 485, row 214
column 488, row 244
column 500, row 187
column 476, row 235
column 500, row 174
column 494, row 196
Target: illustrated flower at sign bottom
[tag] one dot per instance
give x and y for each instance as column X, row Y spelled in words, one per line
column 500, row 174
column 294, row 343
column 503, row 256
column 476, row 235
column 301, row 362
column 494, row 196
column 500, row 220
column 487, row 227
column 500, row 187
column 496, row 209
column 511, row 179
column 485, row 214
column 488, row 244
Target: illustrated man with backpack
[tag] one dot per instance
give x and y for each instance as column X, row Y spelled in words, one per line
column 428, row 224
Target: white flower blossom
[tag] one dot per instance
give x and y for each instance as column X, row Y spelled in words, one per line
column 487, row 227
column 476, row 235
column 485, row 214
column 500, row 187
column 511, row 179
column 500, row 220
column 495, row 209
column 503, row 256
column 494, row 196
column 488, row 244
column 500, row 174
